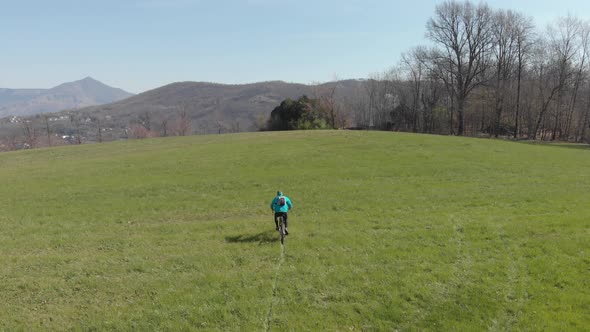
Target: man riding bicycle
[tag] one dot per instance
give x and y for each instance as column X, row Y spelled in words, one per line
column 280, row 205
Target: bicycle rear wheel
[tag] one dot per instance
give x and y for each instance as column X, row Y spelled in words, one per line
column 282, row 229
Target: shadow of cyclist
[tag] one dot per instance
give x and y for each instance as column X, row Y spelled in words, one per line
column 264, row 237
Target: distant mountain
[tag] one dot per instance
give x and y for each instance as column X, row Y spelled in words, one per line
column 72, row 95
column 211, row 107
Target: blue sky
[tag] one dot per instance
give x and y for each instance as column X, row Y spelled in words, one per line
column 139, row 45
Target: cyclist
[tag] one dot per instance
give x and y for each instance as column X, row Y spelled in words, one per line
column 280, row 205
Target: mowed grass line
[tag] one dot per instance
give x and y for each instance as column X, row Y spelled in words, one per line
column 389, row 231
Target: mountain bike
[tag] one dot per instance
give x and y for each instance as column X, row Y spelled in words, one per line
column 282, row 229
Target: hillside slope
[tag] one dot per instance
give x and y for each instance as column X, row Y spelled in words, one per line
column 389, row 232
column 208, row 105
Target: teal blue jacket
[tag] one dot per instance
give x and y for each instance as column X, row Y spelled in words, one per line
column 274, row 205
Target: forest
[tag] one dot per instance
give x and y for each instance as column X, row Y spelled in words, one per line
column 485, row 71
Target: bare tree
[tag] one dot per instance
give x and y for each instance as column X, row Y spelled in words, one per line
column 47, row 129
column 366, row 117
column 12, row 143
column 182, row 124
column 329, row 103
column 430, row 97
column 441, row 69
column 584, row 116
column 585, row 122
column 220, row 126
column 562, row 42
column 75, row 121
column 414, row 71
column 580, row 64
column 383, row 101
column 463, row 34
column 504, row 54
column 164, row 128
column 523, row 31
column 97, row 122
column 145, row 120
column 30, row 134
column 547, row 83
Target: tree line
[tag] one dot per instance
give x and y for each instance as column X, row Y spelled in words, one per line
column 486, row 71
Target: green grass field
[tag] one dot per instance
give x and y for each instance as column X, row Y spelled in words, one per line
column 389, row 232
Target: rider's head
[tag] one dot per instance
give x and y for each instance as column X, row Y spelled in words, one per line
column 279, row 193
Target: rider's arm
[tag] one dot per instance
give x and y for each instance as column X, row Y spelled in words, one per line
column 272, row 204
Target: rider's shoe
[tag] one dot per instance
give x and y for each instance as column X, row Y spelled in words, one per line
column 286, row 231
column 277, row 228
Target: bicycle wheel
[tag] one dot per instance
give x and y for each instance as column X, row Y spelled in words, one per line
column 282, row 229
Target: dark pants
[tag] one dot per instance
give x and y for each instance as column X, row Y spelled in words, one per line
column 277, row 215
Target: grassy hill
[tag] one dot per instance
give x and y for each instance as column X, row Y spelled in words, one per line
column 389, row 232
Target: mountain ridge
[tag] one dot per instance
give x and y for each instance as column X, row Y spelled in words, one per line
column 197, row 107
column 213, row 107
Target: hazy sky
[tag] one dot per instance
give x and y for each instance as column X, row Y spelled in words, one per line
column 139, row 45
